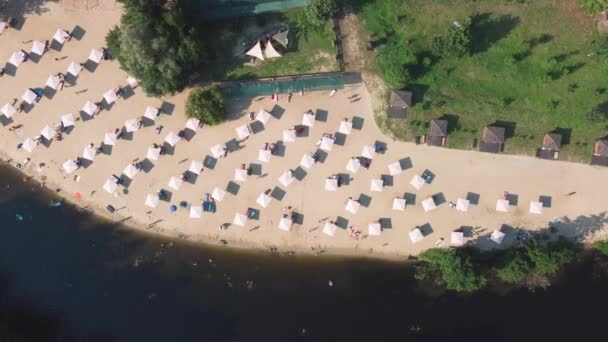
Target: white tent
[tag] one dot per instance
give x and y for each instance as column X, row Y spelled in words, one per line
column 264, row 156
column 394, row 168
column 331, row 184
column 47, row 132
column 131, row 125
column 171, row 139
column 352, row 206
column 502, row 205
column 53, row 82
column 374, row 229
column 89, row 108
column 218, row 194
column 217, row 151
column 326, row 144
column 263, row 116
column 17, row 58
column 74, row 69
column 175, row 183
column 153, row 153
column 353, row 165
column 307, row 161
column 95, row 56
column 192, row 124
column 399, row 204
column 368, row 152
column 70, row 166
column 270, row 52
column 68, row 120
column 88, row 153
column 428, row 204
column 38, row 47
column 8, row 110
column 497, row 236
column 240, row 175
column 130, row 171
column 151, row 113
column 196, row 167
column 376, row 185
column 196, row 211
column 110, row 96
column 308, row 120
column 110, row 186
column 29, row 145
column 256, row 51
column 285, row 224
column 132, row 81
column 329, row 229
column 346, row 127
column 457, row 238
column 60, row 36
column 417, row 182
column 29, row 96
column 536, row 208
column 110, row 139
column 415, row 235
column 239, row 219
column 286, row 178
column 462, row 205
column 263, row 200
column 152, row 201
column 289, row 135
column 242, row 132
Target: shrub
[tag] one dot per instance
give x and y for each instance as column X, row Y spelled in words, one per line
column 594, row 6
column 394, row 60
column 515, row 270
column 455, row 268
column 595, row 115
column 455, row 42
column 318, row 12
column 548, row 258
column 599, row 46
column 113, row 41
column 207, row 105
column 601, row 246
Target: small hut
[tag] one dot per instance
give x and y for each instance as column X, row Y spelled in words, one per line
column 438, row 132
column 600, row 153
column 550, row 146
column 492, row 139
column 401, row 101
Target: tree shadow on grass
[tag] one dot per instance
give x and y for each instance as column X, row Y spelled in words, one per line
column 486, row 30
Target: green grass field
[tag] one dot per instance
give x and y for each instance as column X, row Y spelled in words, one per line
column 530, row 65
column 309, row 50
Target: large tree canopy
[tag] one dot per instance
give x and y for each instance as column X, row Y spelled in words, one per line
column 207, row 105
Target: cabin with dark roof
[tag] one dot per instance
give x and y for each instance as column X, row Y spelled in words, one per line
column 401, row 101
column 551, row 144
column 492, row 139
column 438, row 132
column 600, row 153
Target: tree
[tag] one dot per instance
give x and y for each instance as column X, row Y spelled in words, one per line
column 602, row 246
column 594, row 6
column 394, row 61
column 207, row 105
column 548, row 258
column 318, row 12
column 515, row 270
column 455, row 267
column 455, row 42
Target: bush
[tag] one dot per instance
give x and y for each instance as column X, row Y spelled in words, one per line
column 548, row 258
column 594, row 6
column 318, row 12
column 394, row 60
column 595, row 115
column 455, row 268
column 113, row 41
column 599, row 46
column 601, row 246
column 207, row 105
column 455, row 42
column 515, row 270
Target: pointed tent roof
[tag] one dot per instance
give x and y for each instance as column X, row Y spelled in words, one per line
column 281, row 37
column 270, row 52
column 493, row 134
column 400, row 102
column 256, row 51
column 601, row 147
column 439, row 128
column 552, row 141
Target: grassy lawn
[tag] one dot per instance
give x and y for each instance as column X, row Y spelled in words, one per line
column 530, row 66
column 308, row 51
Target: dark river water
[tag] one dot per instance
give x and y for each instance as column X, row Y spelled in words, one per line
column 66, row 276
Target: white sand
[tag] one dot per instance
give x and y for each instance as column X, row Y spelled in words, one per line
column 457, row 172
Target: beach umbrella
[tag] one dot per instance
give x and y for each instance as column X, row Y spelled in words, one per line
column 536, row 208
column 240, row 175
column 331, row 184
column 329, row 229
column 95, row 55
column 415, row 235
column 132, row 81
column 173, row 208
column 457, row 238
column 217, row 151
column 3, row 25
column 29, row 145
column 264, row 156
column 218, row 194
column 368, row 152
column 196, row 167
column 417, row 182
column 175, row 183
column 289, row 135
column 374, row 229
column 263, row 116
column 285, row 224
column 47, row 132
column 8, row 110
column 352, row 206
column 74, row 69
column 345, row 127
column 110, row 139
column 394, row 168
column 399, row 203
column 286, row 179
column 242, row 132
column 171, row 139
column 69, row 166
column 60, row 36
column 307, row 161
column 428, row 204
column 53, row 82
column 239, row 219
column 353, row 165
column 308, row 120
column 29, row 96
column 130, row 171
column 502, row 205
column 196, row 211
column 152, row 201
column 151, row 113
column 376, row 185
column 88, row 153
column 153, row 153
column 110, row 96
column 326, row 144
column 16, row 58
column 462, row 205
column 263, row 200
column 131, row 125
column 192, row 124
column 110, row 186
column 68, row 120
column 38, row 47
column 497, row 236
column 90, row 108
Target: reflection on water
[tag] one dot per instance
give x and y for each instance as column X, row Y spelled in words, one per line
column 66, row 274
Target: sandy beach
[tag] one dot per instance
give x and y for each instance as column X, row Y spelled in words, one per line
column 575, row 190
